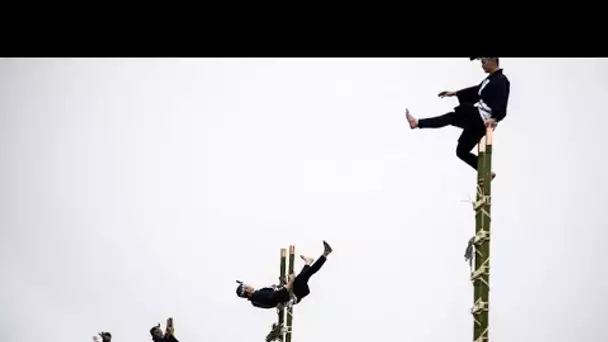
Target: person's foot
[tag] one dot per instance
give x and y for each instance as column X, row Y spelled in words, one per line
column 308, row 261
column 326, row 249
column 410, row 119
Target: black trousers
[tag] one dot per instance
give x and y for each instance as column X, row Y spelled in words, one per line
column 465, row 116
column 300, row 284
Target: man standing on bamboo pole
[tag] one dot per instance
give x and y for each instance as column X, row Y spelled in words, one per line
column 480, row 106
column 296, row 287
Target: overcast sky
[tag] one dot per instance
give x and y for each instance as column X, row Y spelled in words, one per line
column 133, row 190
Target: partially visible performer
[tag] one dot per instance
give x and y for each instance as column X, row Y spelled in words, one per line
column 167, row 336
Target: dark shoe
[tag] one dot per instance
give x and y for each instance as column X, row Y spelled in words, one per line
column 327, row 248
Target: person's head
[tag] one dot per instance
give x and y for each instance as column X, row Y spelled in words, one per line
column 105, row 336
column 156, row 331
column 244, row 290
column 488, row 64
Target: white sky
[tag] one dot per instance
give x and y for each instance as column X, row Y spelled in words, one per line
column 132, row 190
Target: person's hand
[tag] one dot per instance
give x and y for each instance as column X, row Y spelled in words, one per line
column 446, row 93
column 292, row 277
column 491, row 123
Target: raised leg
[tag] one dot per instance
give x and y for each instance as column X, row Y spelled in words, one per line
column 440, row 121
column 448, row 119
column 311, row 268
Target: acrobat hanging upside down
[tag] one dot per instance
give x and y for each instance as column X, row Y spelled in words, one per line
column 294, row 290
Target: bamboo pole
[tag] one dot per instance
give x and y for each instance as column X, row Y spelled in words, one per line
column 283, row 268
column 485, row 245
column 281, row 330
column 481, row 273
column 481, row 155
column 292, row 252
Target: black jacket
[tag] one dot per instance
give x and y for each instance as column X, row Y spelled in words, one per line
column 169, row 338
column 268, row 297
column 494, row 94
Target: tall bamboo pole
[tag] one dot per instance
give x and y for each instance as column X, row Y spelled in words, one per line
column 283, row 268
column 281, row 331
column 481, row 274
column 292, row 252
